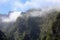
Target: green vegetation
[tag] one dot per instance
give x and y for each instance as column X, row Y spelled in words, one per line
column 36, row 28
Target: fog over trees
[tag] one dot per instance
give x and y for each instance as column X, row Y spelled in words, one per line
column 33, row 24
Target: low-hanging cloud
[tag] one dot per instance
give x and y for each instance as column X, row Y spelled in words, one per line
column 17, row 5
column 12, row 17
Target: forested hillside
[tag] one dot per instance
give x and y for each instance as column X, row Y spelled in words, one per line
column 35, row 27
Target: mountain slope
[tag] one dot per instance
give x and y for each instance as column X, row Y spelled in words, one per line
column 35, row 25
column 32, row 27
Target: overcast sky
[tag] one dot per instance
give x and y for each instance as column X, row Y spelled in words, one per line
column 23, row 5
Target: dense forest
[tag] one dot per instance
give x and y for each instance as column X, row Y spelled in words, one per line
column 34, row 27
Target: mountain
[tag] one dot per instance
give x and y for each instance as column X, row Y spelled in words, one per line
column 34, row 24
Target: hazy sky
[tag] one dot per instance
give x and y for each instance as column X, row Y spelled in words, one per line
column 23, row 5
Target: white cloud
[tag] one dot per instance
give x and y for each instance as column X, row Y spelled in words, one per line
column 34, row 4
column 23, row 6
column 55, row 1
column 16, row 5
column 3, row 1
column 12, row 17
